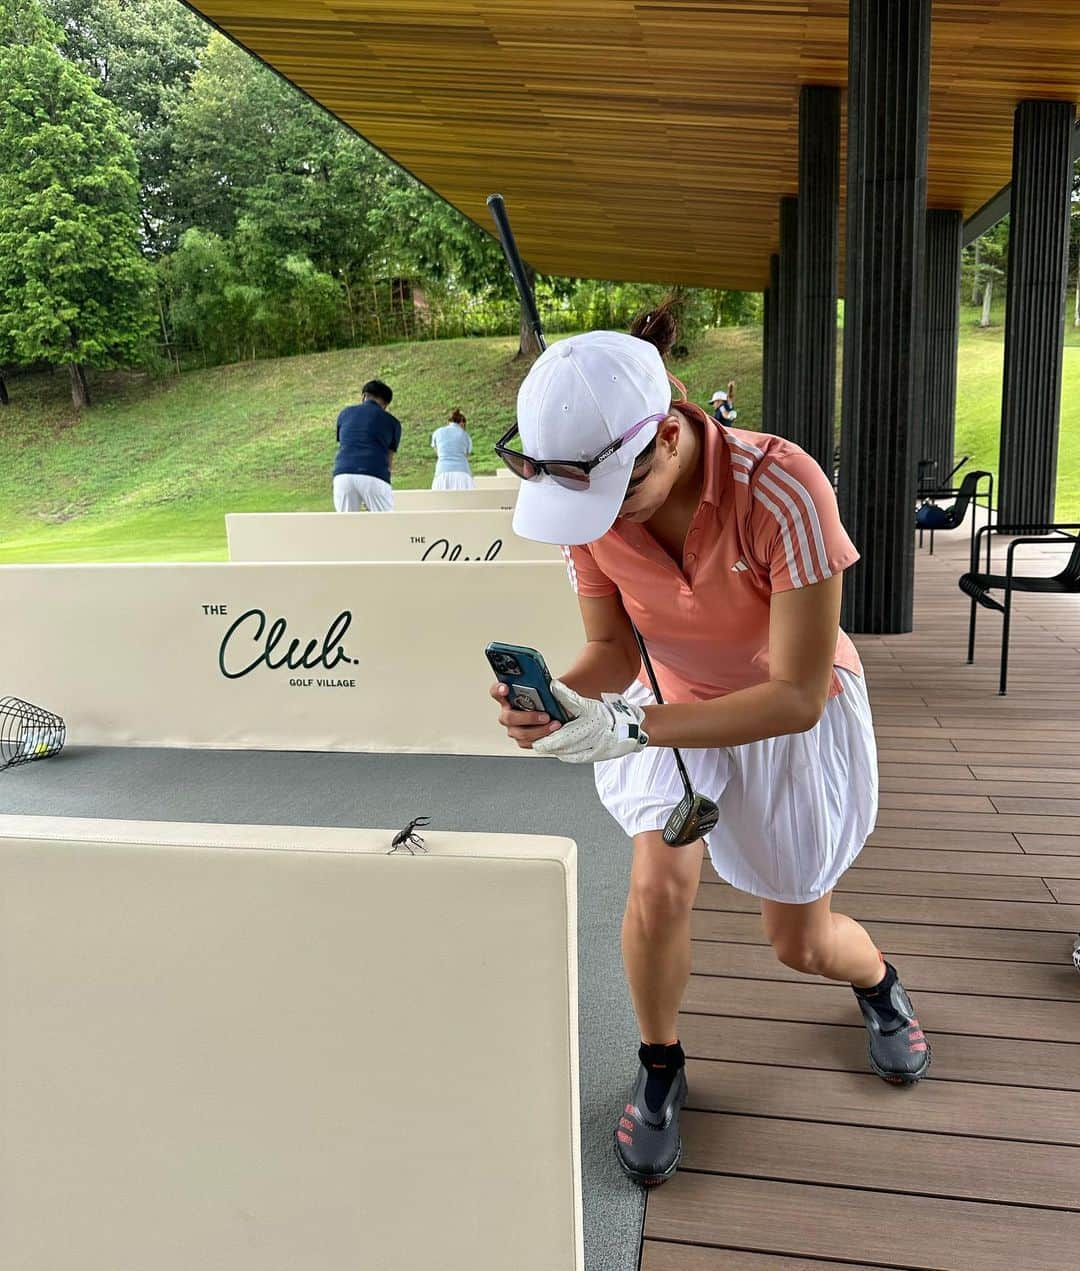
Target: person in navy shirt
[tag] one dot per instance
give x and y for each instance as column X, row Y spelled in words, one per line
column 724, row 404
column 368, row 438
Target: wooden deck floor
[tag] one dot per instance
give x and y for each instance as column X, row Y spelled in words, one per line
column 796, row 1158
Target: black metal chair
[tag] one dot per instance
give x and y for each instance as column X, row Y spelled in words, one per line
column 930, row 516
column 978, row 586
column 927, row 475
column 928, row 479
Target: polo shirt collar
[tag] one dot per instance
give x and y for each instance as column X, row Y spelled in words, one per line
column 716, row 486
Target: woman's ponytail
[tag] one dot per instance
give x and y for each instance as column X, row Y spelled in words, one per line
column 658, row 325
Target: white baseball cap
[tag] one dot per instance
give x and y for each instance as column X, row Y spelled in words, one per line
column 581, row 395
column 719, row 396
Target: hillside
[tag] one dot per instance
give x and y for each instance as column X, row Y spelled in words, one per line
column 149, row 472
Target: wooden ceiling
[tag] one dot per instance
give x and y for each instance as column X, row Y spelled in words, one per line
column 646, row 140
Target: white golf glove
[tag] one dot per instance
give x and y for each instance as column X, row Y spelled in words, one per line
column 599, row 730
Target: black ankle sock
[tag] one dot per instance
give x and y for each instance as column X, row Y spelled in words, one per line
column 663, row 1064
column 878, row 997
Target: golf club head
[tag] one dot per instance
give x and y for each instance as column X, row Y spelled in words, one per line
column 691, row 818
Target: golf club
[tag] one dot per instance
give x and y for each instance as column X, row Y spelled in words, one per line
column 694, row 815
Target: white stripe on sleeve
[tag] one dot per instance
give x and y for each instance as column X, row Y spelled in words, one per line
column 812, row 518
column 745, row 445
column 793, row 567
column 797, row 519
column 571, row 568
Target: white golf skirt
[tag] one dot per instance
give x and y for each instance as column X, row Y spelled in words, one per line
column 453, row 481
column 354, row 491
column 795, row 810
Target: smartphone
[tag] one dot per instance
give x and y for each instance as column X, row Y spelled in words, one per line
column 527, row 675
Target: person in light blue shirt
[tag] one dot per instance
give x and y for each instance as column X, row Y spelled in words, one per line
column 453, row 445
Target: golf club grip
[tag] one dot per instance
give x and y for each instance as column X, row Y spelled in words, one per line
column 513, row 258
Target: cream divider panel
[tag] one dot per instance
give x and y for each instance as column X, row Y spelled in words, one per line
column 485, row 535
column 500, row 481
column 364, row 657
column 228, row 1046
column 448, row 500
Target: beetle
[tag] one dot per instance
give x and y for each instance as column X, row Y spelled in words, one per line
column 408, row 836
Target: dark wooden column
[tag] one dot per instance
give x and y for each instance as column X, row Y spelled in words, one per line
column 818, row 236
column 943, row 229
column 1035, row 310
column 770, row 353
column 786, row 421
column 888, row 87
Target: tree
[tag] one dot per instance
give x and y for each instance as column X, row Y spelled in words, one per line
column 211, row 308
column 1072, row 264
column 74, row 289
column 423, row 235
column 249, row 145
column 982, row 263
column 259, row 164
column 142, row 55
column 237, row 124
column 300, row 306
column 993, row 254
column 975, row 274
column 1074, row 244
column 264, row 169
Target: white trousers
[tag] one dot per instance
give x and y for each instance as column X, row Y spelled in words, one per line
column 354, row 491
column 795, row 810
column 453, row 481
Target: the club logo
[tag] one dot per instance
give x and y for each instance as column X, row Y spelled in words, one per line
column 251, row 642
column 442, row 550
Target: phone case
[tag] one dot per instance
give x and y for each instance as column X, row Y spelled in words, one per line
column 534, row 678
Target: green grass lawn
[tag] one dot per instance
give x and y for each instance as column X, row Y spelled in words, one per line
column 978, row 406
column 150, row 471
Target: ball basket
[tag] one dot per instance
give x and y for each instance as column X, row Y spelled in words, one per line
column 28, row 732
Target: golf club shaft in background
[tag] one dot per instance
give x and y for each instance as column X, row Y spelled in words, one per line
column 513, row 258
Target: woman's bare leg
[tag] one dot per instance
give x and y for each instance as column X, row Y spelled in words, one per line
column 656, row 931
column 811, row 938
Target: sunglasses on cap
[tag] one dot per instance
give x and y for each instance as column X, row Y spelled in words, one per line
column 571, row 474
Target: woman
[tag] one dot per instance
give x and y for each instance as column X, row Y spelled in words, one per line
column 453, row 445
column 725, row 548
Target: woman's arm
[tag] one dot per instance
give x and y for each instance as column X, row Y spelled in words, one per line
column 803, row 627
column 607, row 664
column 610, row 659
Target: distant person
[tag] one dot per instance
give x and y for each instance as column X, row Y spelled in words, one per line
column 368, row 438
column 453, row 445
column 723, row 404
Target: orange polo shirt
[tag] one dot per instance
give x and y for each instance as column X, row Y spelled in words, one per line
column 767, row 522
